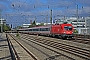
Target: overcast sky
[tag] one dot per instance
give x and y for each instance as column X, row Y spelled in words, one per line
column 18, row 12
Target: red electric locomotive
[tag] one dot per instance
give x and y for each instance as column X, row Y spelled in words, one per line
column 60, row 30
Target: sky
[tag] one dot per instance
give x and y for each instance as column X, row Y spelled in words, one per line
column 18, row 12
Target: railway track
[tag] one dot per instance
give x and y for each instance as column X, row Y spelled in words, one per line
column 50, row 56
column 60, row 49
column 79, row 39
column 76, row 52
column 83, row 40
column 23, row 53
column 53, row 56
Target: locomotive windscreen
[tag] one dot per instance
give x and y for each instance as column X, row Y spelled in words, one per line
column 68, row 27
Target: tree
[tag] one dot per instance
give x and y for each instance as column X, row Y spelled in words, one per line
column 75, row 31
column 41, row 24
column 33, row 24
column 18, row 27
column 5, row 28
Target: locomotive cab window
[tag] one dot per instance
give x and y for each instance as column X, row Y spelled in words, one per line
column 68, row 27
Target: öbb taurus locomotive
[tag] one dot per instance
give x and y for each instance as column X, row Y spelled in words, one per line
column 61, row 30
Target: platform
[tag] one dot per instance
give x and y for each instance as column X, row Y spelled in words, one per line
column 4, row 48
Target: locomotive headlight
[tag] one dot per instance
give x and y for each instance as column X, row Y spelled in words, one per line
column 64, row 32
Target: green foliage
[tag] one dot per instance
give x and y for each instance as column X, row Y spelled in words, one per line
column 33, row 24
column 18, row 27
column 75, row 31
column 5, row 28
column 42, row 24
column 17, row 35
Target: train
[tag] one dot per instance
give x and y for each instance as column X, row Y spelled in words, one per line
column 55, row 30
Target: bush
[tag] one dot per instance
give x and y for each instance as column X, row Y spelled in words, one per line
column 75, row 31
column 17, row 35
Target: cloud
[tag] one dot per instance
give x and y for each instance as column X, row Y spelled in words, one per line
column 27, row 9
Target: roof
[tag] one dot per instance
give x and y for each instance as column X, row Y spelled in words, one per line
column 47, row 26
